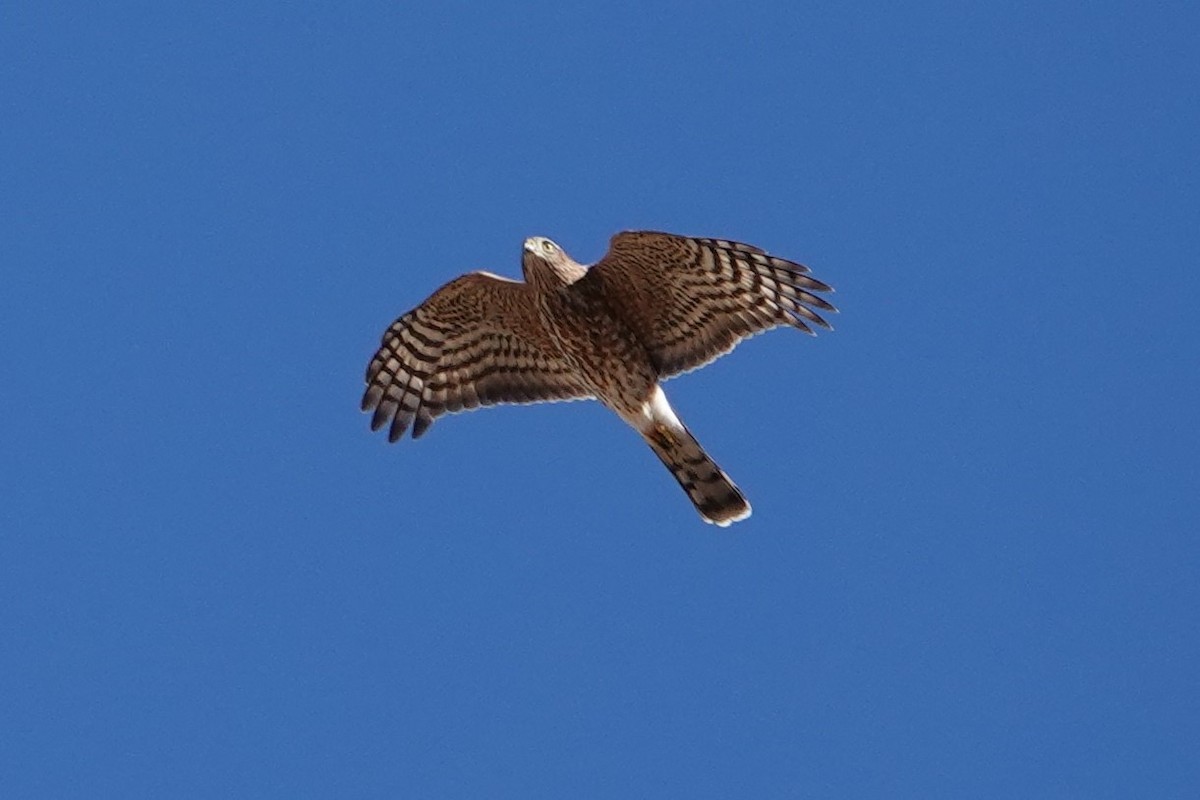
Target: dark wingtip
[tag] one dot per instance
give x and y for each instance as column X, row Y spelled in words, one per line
column 421, row 425
column 798, row 324
column 379, row 417
column 817, row 302
column 819, row 320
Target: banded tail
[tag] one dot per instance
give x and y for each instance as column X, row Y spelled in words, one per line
column 716, row 497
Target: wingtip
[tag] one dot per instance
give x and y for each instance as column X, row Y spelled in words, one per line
column 421, row 425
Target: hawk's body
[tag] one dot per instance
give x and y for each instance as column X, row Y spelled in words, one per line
column 654, row 306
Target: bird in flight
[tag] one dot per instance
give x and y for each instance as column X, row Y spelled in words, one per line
column 656, row 305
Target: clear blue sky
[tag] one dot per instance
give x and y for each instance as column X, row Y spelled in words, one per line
column 972, row 566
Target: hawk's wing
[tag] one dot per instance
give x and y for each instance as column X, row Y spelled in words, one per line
column 692, row 300
column 476, row 341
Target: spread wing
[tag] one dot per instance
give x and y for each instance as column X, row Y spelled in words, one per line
column 692, row 300
column 476, row 341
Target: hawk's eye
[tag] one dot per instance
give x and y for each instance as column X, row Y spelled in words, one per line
column 548, row 246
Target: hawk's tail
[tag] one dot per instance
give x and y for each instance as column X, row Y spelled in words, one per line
column 714, row 495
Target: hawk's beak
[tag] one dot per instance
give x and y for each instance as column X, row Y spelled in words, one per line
column 531, row 245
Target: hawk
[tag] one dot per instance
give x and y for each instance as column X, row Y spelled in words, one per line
column 655, row 306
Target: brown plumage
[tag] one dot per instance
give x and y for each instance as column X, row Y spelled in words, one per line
column 656, row 305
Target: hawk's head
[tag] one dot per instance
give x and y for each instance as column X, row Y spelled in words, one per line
column 547, row 265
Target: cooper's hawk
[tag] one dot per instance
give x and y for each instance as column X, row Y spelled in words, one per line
column 655, row 306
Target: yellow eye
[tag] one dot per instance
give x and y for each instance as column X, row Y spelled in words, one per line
column 547, row 246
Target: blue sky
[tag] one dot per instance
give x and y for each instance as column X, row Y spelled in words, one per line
column 972, row 566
